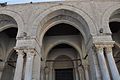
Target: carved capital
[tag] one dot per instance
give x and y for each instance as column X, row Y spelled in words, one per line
column 20, row 52
column 99, row 48
column 30, row 52
column 108, row 49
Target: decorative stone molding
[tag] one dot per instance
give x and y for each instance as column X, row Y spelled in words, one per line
column 28, row 44
column 104, row 44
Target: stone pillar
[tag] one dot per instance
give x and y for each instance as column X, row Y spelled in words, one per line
column 29, row 64
column 19, row 65
column 111, row 62
column 2, row 65
column 76, row 73
column 51, row 73
column 46, row 73
column 86, row 72
column 94, row 65
column 102, row 62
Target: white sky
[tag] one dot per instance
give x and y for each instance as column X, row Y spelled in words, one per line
column 24, row 1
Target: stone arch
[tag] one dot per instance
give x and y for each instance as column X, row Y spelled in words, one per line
column 85, row 16
column 66, row 22
column 72, row 64
column 9, row 66
column 8, row 26
column 10, row 54
column 106, row 16
column 16, row 17
column 69, row 64
column 68, row 43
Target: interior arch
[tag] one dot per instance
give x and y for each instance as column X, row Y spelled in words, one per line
column 63, row 15
column 63, row 57
column 63, row 36
column 8, row 33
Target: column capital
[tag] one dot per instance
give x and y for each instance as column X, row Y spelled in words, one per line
column 108, row 49
column 99, row 45
column 99, row 48
column 20, row 51
column 30, row 52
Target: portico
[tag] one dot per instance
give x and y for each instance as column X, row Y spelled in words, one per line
column 62, row 40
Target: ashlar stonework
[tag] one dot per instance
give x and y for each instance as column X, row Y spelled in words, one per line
column 60, row 40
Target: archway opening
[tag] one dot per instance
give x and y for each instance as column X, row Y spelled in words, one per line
column 62, row 45
column 63, row 27
column 114, row 25
column 8, row 56
column 64, row 60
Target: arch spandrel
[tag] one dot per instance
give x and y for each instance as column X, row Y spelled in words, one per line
column 36, row 23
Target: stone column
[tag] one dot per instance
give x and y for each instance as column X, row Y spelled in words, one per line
column 2, row 65
column 111, row 62
column 29, row 64
column 86, row 72
column 102, row 62
column 19, row 65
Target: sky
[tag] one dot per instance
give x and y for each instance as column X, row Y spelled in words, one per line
column 24, row 1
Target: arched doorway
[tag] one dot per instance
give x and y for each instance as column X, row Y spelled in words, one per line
column 64, row 26
column 8, row 56
column 62, row 48
column 63, row 62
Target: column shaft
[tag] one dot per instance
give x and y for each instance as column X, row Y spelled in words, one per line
column 112, row 65
column 102, row 63
column 86, row 73
column 19, row 66
column 29, row 65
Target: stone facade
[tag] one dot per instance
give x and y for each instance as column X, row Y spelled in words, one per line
column 38, row 40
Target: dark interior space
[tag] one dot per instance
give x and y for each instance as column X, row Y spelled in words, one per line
column 10, row 32
column 114, row 26
column 64, row 74
column 62, row 46
column 62, row 29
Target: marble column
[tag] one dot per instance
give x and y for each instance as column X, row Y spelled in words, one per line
column 29, row 64
column 102, row 62
column 111, row 62
column 19, row 65
column 86, row 72
column 81, row 73
column 46, row 73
